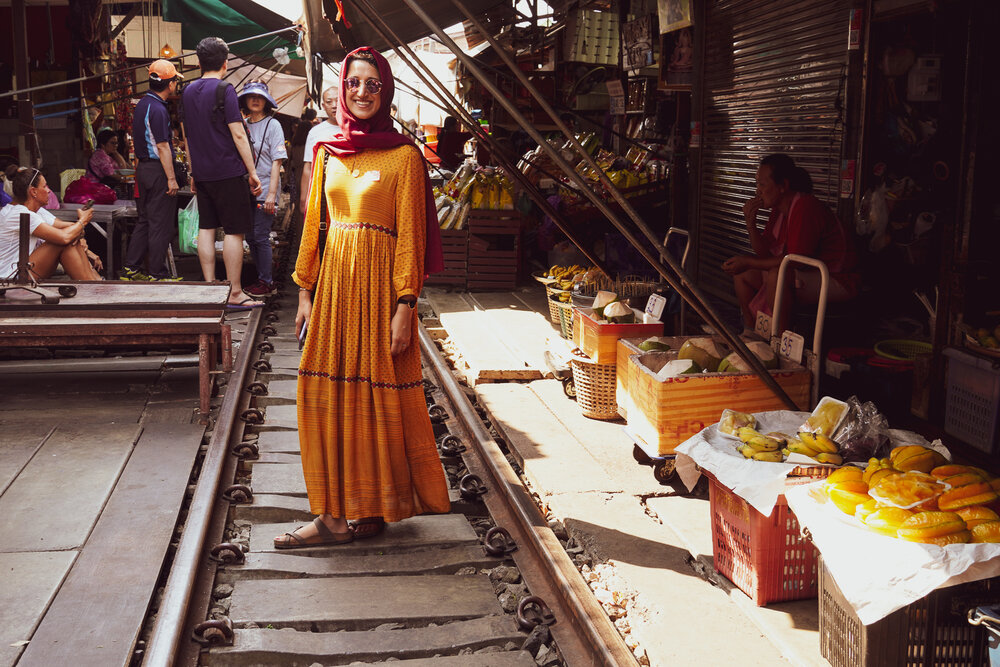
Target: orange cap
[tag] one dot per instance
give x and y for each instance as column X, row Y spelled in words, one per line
column 163, row 70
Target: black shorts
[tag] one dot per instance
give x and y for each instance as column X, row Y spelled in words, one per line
column 226, row 203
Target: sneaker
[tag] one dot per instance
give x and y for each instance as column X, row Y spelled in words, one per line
column 128, row 273
column 260, row 289
column 167, row 279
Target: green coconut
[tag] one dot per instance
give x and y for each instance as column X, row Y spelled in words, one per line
column 705, row 351
column 602, row 299
column 734, row 363
column 619, row 313
column 678, row 367
column 655, row 344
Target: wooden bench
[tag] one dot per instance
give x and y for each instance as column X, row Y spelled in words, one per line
column 125, row 314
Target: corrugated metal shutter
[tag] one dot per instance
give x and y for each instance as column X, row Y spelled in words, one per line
column 773, row 74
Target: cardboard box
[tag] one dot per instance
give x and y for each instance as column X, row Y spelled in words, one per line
column 599, row 341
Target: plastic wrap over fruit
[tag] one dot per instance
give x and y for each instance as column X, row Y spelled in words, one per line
column 911, row 490
column 864, row 433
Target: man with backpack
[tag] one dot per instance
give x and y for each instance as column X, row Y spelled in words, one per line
column 223, row 176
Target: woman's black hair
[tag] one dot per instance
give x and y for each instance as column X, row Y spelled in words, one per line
column 784, row 169
column 450, row 124
column 24, row 179
column 361, row 55
column 104, row 136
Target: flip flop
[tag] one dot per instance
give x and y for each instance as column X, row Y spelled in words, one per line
column 248, row 303
column 364, row 534
column 324, row 538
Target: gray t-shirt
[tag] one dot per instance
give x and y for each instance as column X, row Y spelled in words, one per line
column 268, row 142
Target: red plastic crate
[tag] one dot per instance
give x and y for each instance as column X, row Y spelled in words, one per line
column 765, row 557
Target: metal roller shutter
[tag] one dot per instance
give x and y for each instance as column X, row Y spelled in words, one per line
column 774, row 73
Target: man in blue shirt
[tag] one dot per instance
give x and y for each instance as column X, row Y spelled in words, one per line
column 154, row 177
column 222, row 169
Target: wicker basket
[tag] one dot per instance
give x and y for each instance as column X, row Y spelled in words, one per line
column 595, row 388
column 565, row 317
column 554, row 304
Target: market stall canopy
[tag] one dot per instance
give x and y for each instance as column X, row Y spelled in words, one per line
column 399, row 18
column 234, row 20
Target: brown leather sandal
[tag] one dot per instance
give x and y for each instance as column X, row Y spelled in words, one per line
column 324, row 537
column 368, row 527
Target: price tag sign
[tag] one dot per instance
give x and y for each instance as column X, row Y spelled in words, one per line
column 763, row 326
column 617, row 105
column 791, row 346
column 655, row 305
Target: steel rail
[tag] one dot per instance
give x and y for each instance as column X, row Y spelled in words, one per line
column 170, row 620
column 584, row 633
column 676, row 276
column 498, row 151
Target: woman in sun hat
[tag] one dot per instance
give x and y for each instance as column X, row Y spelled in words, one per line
column 268, row 143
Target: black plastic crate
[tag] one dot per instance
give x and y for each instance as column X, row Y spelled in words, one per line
column 933, row 631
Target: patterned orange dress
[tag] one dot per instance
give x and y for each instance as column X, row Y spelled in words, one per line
column 367, row 443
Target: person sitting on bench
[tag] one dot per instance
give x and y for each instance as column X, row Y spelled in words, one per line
column 53, row 241
column 800, row 224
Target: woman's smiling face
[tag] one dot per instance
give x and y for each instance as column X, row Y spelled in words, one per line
column 361, row 102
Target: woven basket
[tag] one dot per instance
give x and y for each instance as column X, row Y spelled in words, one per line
column 554, row 304
column 565, row 319
column 595, row 388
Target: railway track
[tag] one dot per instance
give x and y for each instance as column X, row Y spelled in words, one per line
column 487, row 584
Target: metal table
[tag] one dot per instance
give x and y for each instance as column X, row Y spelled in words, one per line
column 108, row 215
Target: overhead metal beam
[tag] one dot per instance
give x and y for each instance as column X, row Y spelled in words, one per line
column 132, row 13
column 675, row 276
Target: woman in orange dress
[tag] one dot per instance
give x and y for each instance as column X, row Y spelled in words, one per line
column 368, row 452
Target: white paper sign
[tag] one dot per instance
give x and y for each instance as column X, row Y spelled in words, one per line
column 763, row 326
column 791, row 346
column 655, row 305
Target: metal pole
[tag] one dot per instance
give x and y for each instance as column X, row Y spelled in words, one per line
column 508, row 164
column 678, row 280
column 170, row 619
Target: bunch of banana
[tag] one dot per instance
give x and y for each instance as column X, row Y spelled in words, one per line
column 816, row 446
column 758, row 446
column 565, row 273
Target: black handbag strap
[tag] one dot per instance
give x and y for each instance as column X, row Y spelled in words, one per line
column 324, row 224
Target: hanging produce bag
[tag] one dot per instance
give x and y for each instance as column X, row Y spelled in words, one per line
column 187, row 223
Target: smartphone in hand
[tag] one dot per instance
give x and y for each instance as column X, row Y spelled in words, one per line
column 89, row 204
column 302, row 334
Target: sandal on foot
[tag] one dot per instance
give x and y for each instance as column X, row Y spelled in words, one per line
column 367, row 527
column 323, row 537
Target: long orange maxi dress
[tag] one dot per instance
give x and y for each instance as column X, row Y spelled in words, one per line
column 366, row 439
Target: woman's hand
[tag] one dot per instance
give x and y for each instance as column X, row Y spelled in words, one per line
column 402, row 329
column 95, row 261
column 269, row 204
column 750, row 209
column 304, row 311
column 736, row 264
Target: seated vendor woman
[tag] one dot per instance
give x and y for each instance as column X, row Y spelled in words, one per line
column 104, row 164
column 800, row 224
column 52, row 241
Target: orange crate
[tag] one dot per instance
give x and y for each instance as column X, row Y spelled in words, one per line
column 625, row 349
column 599, row 341
column 765, row 557
column 667, row 413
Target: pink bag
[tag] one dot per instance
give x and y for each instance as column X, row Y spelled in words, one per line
column 82, row 189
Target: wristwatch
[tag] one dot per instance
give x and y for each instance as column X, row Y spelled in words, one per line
column 408, row 300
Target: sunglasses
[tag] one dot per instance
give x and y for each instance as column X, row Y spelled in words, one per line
column 373, row 86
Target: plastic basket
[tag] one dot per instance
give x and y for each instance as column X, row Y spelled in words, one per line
column 931, row 631
column 595, row 388
column 565, row 319
column 902, row 350
column 765, row 557
column 972, row 399
column 553, row 303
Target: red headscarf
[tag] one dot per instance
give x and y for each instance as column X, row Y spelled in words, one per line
column 357, row 135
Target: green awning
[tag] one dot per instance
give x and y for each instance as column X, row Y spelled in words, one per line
column 215, row 18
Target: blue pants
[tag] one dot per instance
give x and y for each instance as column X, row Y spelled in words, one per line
column 259, row 240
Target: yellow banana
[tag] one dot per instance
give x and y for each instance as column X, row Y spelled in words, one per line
column 773, row 457
column 765, row 444
column 819, row 442
column 826, row 457
column 747, row 433
column 799, row 447
column 747, row 451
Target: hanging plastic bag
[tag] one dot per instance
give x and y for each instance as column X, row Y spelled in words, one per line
column 187, row 227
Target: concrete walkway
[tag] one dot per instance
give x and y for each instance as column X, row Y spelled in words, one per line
column 658, row 543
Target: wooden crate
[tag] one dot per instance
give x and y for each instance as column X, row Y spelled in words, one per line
column 665, row 414
column 494, row 249
column 455, row 245
column 599, row 341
